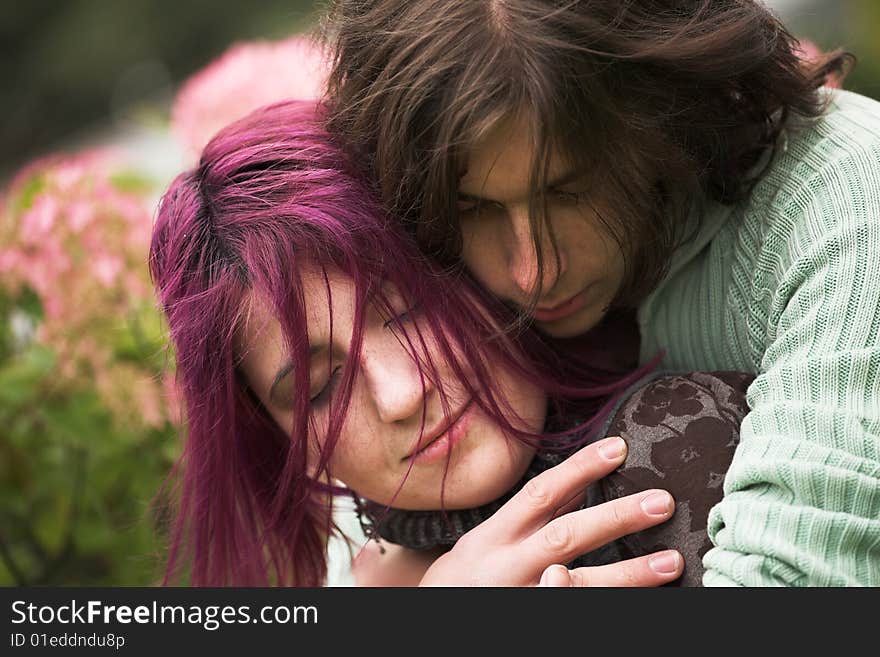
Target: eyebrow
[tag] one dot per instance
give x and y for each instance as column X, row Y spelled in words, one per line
column 560, row 181
column 287, row 368
column 566, row 178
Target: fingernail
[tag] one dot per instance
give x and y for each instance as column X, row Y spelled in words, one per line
column 543, row 581
column 556, row 576
column 612, row 449
column 657, row 504
column 664, row 563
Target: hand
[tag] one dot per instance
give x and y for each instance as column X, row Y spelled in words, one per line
column 539, row 528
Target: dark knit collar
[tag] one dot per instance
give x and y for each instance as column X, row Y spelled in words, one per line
column 422, row 530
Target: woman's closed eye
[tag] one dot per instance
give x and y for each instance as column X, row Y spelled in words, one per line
column 394, row 307
column 399, row 318
column 323, row 395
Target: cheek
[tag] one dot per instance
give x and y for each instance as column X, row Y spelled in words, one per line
column 482, row 252
column 577, row 228
column 597, row 232
column 527, row 400
column 588, row 243
column 362, row 458
column 531, row 405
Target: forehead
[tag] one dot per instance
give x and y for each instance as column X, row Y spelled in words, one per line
column 259, row 335
column 499, row 165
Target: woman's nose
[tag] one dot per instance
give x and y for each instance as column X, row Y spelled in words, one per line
column 522, row 259
column 395, row 383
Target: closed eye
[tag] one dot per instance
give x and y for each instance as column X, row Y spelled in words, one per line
column 400, row 318
column 324, row 394
column 572, row 197
column 475, row 204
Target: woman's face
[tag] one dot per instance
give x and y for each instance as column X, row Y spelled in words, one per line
column 379, row 453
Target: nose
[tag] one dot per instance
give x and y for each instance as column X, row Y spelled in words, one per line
column 394, row 381
column 522, row 262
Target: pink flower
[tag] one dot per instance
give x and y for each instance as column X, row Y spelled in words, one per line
column 79, row 215
column 71, row 236
column 106, row 268
column 810, row 52
column 38, row 221
column 11, row 261
column 245, row 77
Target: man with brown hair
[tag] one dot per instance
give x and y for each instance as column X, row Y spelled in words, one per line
column 672, row 157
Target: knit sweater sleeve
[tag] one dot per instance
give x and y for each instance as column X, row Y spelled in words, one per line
column 802, row 496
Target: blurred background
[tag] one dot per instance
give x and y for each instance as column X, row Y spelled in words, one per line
column 103, row 103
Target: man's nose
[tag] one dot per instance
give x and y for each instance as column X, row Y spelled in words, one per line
column 523, row 257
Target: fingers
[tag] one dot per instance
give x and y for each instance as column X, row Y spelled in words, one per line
column 541, row 497
column 574, row 534
column 556, row 576
column 573, row 504
column 651, row 570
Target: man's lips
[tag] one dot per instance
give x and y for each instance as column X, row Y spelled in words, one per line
column 429, row 439
column 564, row 309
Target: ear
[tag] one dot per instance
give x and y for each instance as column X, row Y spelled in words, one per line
column 313, row 457
column 312, row 466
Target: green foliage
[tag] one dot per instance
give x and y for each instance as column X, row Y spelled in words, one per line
column 132, row 182
column 31, row 188
column 863, row 41
column 76, row 484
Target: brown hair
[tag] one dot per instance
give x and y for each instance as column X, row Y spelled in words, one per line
column 667, row 101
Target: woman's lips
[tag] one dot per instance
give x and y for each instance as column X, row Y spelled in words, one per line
column 440, row 446
column 564, row 309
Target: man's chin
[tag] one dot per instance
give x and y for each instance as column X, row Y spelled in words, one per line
column 572, row 326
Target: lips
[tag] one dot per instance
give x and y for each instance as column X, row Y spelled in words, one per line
column 438, row 443
column 564, row 309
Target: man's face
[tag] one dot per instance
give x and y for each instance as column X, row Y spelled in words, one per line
column 498, row 244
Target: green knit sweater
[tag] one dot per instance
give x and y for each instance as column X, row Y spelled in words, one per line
column 786, row 285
